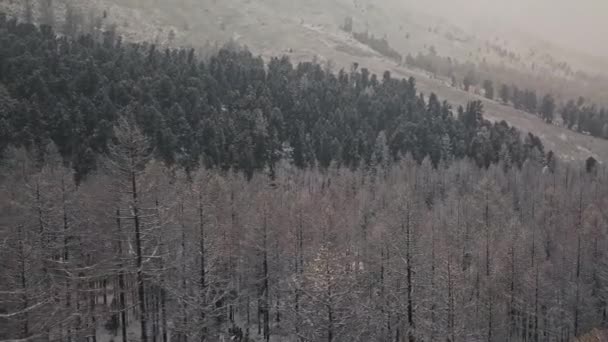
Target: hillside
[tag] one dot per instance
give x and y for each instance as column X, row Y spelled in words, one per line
column 269, row 28
column 232, row 111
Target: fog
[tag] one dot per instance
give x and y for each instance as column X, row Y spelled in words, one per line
column 576, row 24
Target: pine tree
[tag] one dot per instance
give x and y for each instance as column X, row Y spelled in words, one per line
column 47, row 12
column 28, row 12
column 505, row 94
column 547, row 108
column 489, row 89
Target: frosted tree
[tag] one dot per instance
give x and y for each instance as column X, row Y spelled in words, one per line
column 128, row 157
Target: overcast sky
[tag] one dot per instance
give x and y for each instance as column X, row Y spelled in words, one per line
column 579, row 24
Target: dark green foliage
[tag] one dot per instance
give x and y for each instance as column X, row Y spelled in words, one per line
column 488, row 87
column 547, row 108
column 8, row 108
column 525, row 100
column 28, row 11
column 576, row 115
column 505, row 93
column 530, row 101
column 380, row 45
column 517, row 98
column 591, row 165
column 230, row 112
column 47, row 15
column 551, row 161
column 73, row 21
column 348, row 24
column 585, row 118
column 469, row 80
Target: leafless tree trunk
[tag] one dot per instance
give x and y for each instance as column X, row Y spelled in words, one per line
column 121, row 281
column 128, row 159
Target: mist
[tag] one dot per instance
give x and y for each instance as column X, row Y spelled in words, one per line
column 580, row 25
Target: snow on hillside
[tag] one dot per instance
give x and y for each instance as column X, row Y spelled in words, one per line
column 311, row 29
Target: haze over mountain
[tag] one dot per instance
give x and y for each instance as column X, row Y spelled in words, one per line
column 580, row 25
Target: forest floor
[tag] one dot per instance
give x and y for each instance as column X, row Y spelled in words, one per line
column 272, row 27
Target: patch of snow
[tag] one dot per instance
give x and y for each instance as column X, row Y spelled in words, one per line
column 583, row 149
column 587, row 152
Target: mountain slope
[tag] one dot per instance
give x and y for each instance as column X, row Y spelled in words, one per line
column 304, row 31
